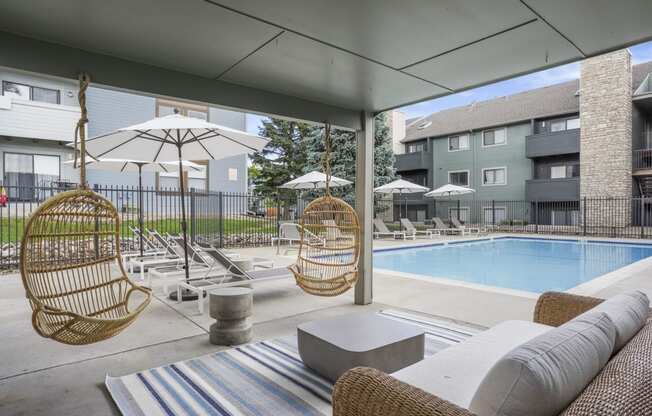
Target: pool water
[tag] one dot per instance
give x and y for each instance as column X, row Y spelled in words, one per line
column 533, row 265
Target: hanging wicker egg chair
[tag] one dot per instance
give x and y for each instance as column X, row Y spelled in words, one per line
column 328, row 265
column 70, row 264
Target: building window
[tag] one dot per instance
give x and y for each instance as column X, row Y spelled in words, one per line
column 31, row 93
column 494, row 176
column 565, row 171
column 494, row 137
column 495, row 215
column 169, row 181
column 233, row 174
column 167, row 107
column 460, row 177
column 23, row 172
column 416, row 147
column 559, row 125
column 462, row 214
column 456, row 143
column 573, row 123
column 557, row 172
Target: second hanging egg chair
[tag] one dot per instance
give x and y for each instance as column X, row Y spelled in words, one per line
column 328, row 266
column 70, row 263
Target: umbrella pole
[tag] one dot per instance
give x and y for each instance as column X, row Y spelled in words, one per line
column 140, row 206
column 183, row 218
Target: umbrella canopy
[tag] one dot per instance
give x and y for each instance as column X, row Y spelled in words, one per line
column 400, row 186
column 449, row 190
column 314, row 180
column 132, row 165
column 175, row 137
column 161, row 139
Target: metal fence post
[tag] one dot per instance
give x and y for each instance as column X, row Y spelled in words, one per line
column 193, row 216
column 493, row 212
column 584, row 218
column 536, row 217
column 458, row 210
column 278, row 215
column 220, row 217
column 642, row 202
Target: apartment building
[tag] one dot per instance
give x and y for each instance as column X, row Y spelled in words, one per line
column 37, row 120
column 588, row 137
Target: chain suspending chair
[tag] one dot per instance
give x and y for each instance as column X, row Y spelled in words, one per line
column 328, row 266
column 70, row 262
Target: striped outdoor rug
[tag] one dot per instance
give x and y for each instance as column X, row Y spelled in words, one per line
column 265, row 378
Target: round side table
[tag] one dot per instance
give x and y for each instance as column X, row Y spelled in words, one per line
column 231, row 308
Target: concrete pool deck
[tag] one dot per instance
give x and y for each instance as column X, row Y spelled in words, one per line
column 39, row 377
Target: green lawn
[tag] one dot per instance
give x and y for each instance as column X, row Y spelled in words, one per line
column 12, row 231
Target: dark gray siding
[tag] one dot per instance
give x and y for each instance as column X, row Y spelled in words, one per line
column 552, row 189
column 557, row 143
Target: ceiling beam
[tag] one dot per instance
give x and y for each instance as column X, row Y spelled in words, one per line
column 46, row 58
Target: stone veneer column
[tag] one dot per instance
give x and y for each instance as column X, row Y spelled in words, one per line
column 606, row 137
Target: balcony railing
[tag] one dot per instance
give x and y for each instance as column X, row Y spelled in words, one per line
column 555, row 143
column 36, row 120
column 414, row 161
column 642, row 159
column 558, row 189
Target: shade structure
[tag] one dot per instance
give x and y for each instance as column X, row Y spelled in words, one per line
column 140, row 166
column 175, row 137
column 401, row 186
column 449, row 190
column 314, row 180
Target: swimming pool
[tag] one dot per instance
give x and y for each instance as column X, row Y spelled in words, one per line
column 533, row 265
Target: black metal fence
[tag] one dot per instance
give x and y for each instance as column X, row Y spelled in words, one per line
column 245, row 220
column 227, row 219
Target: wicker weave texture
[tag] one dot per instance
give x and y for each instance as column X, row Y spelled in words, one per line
column 72, row 273
column 624, row 386
column 328, row 266
column 556, row 308
column 365, row 391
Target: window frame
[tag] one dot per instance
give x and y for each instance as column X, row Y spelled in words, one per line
column 4, row 162
column 494, row 168
column 494, row 130
column 422, row 145
column 460, row 149
column 489, row 208
column 31, row 92
column 468, row 176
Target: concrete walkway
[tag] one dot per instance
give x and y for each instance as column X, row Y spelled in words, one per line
column 41, row 377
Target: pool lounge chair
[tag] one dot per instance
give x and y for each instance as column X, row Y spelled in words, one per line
column 382, row 230
column 149, row 248
column 465, row 229
column 442, row 228
column 170, row 258
column 291, row 233
column 411, row 230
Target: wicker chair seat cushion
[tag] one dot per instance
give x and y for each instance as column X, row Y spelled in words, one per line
column 543, row 376
column 628, row 311
column 624, row 386
column 455, row 373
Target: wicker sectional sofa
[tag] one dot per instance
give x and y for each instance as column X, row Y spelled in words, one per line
column 622, row 387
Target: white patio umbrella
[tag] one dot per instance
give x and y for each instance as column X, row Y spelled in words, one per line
column 314, row 180
column 175, row 137
column 401, row 186
column 130, row 165
column 449, row 190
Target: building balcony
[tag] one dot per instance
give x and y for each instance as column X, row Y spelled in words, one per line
column 37, row 120
column 552, row 189
column 642, row 162
column 555, row 143
column 414, row 161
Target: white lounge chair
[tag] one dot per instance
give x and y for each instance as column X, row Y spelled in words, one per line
column 382, row 230
column 170, row 258
column 412, row 230
column 442, row 228
column 290, row 232
column 149, row 248
column 465, row 228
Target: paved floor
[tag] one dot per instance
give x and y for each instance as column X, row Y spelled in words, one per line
column 39, row 377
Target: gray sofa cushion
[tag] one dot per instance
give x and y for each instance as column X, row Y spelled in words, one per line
column 628, row 311
column 543, row 376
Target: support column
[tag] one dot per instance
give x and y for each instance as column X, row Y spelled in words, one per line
column 364, row 205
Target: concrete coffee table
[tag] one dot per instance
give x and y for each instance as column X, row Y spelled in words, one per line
column 334, row 345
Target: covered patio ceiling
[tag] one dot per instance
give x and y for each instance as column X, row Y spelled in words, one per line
column 309, row 59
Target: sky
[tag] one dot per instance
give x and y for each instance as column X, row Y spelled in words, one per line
column 640, row 53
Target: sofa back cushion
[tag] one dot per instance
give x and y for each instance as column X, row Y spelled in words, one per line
column 543, row 376
column 624, row 386
column 628, row 311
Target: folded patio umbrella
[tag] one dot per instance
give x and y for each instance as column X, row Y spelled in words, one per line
column 175, row 137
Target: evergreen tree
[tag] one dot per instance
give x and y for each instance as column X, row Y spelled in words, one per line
column 343, row 156
column 283, row 158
